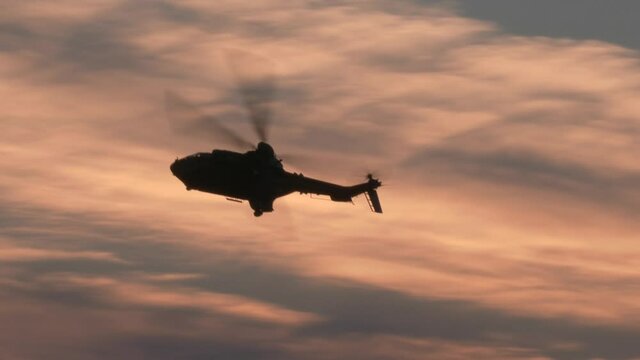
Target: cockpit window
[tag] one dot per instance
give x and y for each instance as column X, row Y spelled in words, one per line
column 198, row 155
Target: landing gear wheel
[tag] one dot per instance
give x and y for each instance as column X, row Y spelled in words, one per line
column 257, row 213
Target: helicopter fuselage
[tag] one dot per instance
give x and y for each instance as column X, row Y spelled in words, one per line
column 258, row 177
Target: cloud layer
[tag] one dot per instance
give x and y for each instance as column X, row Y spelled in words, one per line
column 511, row 215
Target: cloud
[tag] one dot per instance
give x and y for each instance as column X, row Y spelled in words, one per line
column 510, row 220
column 152, row 296
column 617, row 190
column 19, row 254
column 553, row 19
column 273, row 295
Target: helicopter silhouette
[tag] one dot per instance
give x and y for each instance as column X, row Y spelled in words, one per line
column 257, row 175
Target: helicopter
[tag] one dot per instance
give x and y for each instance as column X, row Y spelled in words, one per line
column 257, row 175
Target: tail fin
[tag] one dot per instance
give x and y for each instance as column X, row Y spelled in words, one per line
column 372, row 194
column 374, row 201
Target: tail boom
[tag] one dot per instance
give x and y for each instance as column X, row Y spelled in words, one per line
column 339, row 193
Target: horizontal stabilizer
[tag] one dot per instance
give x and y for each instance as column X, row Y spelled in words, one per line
column 374, row 201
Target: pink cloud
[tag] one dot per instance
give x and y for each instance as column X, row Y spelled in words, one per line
column 514, row 158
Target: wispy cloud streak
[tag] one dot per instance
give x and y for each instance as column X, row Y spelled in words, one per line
column 510, row 225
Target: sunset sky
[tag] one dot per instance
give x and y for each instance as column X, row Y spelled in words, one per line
column 506, row 132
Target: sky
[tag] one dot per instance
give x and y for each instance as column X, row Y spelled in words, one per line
column 506, row 133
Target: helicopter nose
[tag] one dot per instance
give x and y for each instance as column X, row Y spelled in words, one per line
column 180, row 169
column 177, row 168
column 173, row 167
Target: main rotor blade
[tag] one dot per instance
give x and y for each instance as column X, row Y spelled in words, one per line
column 185, row 119
column 254, row 76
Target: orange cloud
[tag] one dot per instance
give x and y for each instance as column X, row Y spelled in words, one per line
column 19, row 254
column 174, row 297
column 514, row 160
